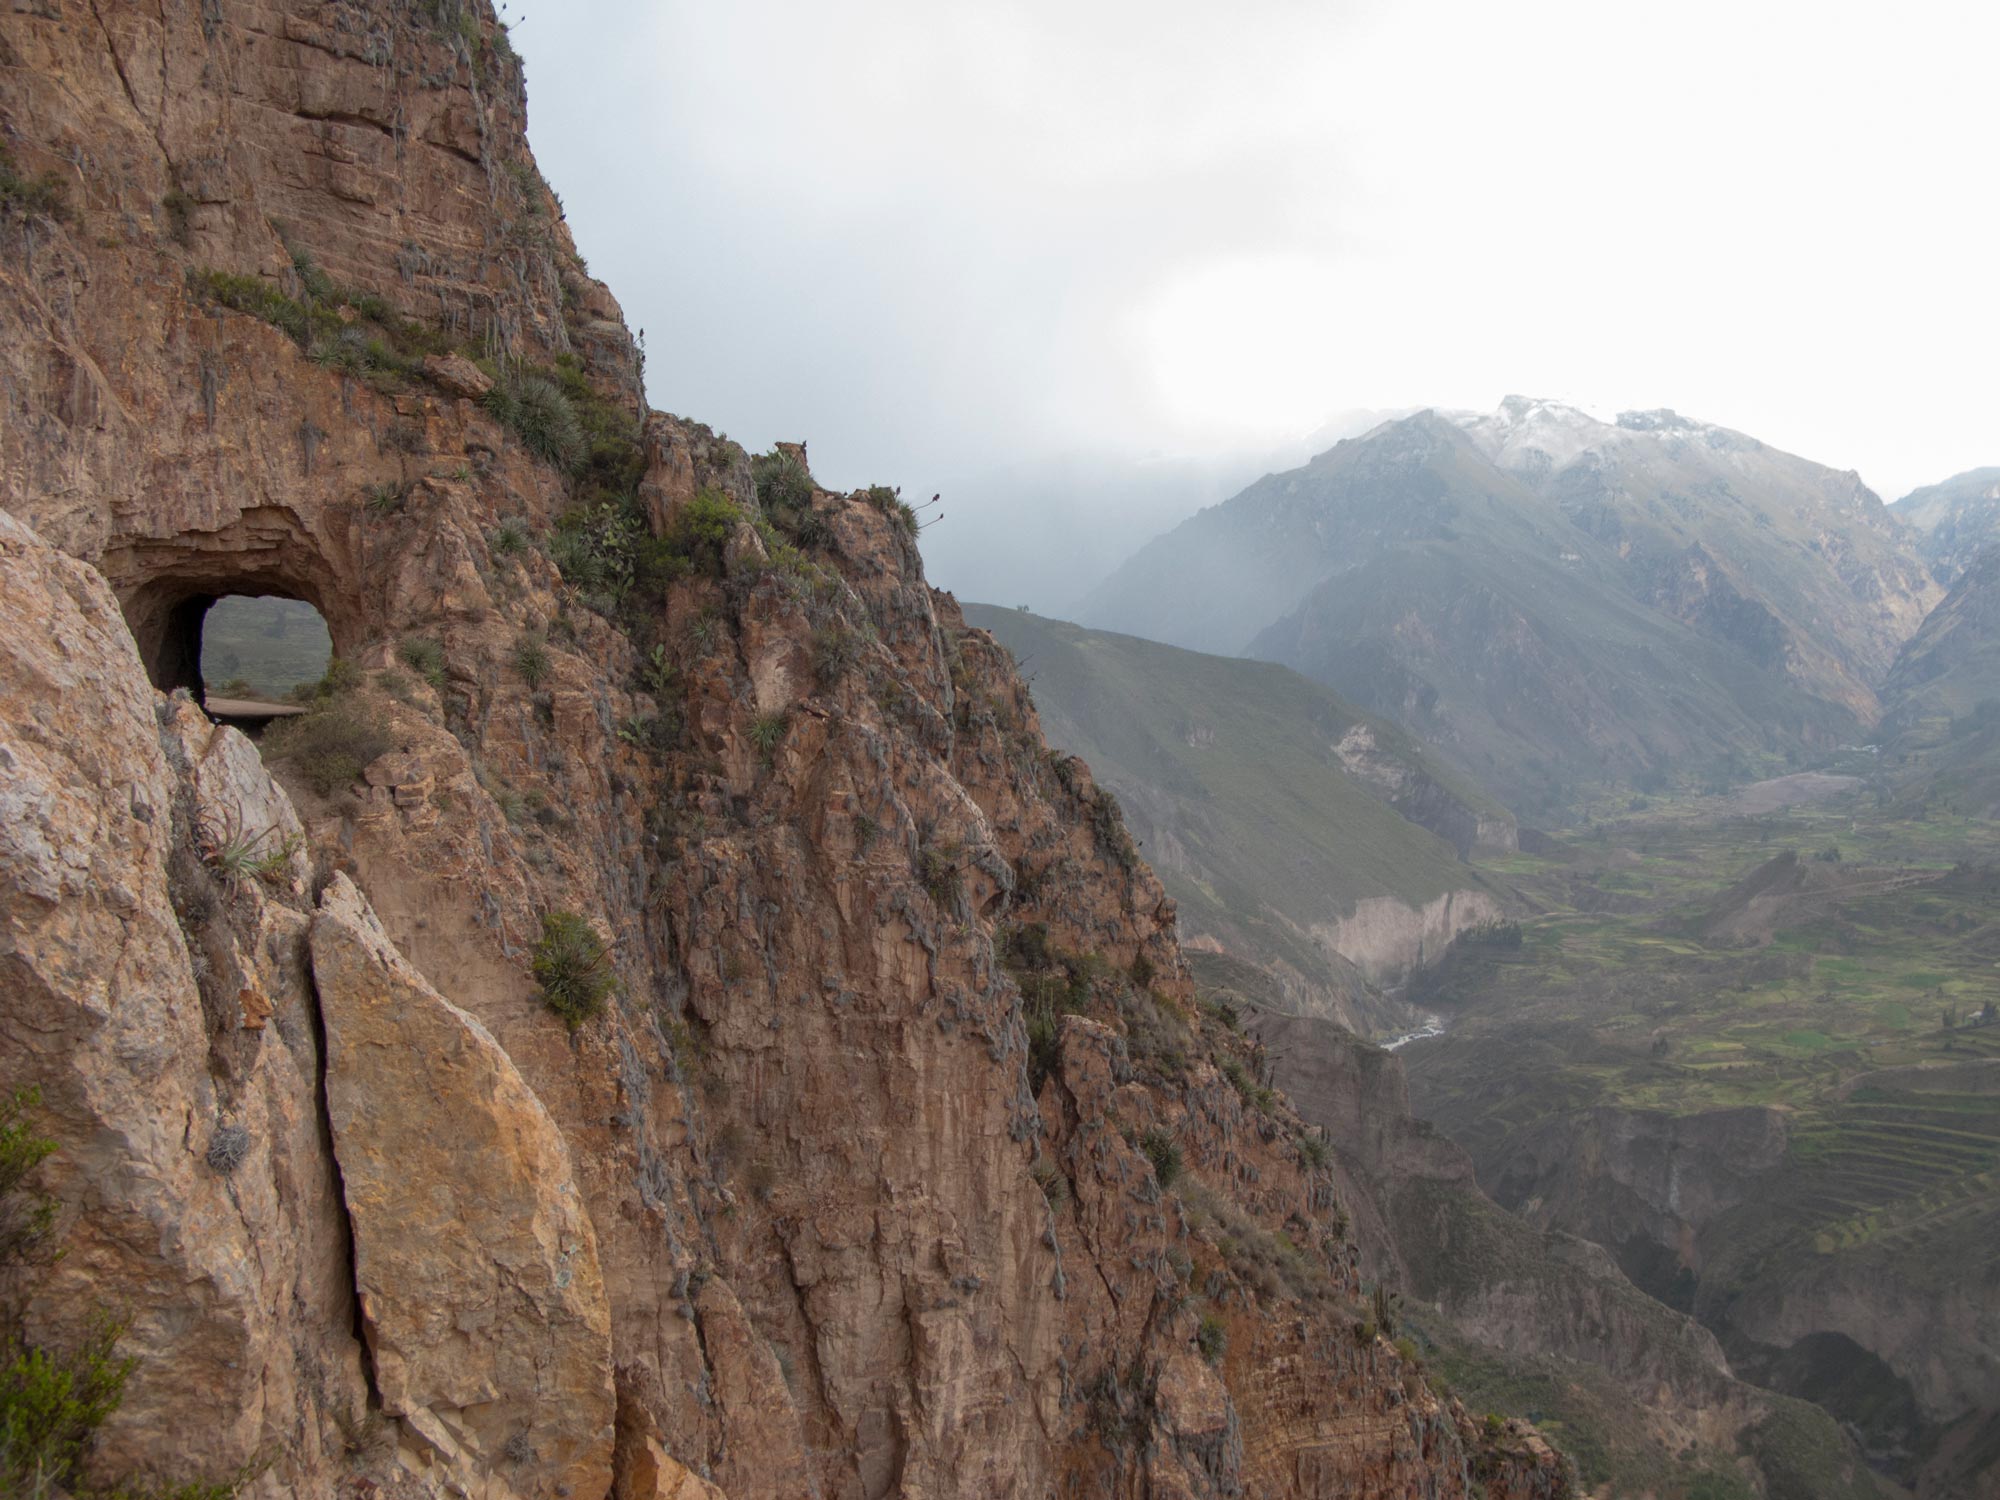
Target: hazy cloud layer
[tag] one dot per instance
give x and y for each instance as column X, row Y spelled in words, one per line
column 1084, row 267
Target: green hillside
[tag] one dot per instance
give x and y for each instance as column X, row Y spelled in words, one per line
column 1232, row 777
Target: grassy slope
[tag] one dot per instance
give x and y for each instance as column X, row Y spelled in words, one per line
column 1226, row 771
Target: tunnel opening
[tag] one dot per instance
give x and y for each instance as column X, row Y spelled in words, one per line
column 237, row 618
column 245, row 658
column 259, row 648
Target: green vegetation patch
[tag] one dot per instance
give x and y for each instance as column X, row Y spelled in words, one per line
column 44, row 195
column 53, row 1401
column 573, row 967
column 340, row 328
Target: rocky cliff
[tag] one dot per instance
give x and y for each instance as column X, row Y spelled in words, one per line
column 670, row 1028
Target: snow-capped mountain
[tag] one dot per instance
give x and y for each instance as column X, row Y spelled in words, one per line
column 1553, row 597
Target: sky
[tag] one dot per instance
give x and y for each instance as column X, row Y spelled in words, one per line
column 1085, row 267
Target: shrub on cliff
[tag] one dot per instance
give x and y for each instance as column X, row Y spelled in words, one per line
column 595, row 547
column 532, row 660
column 32, row 197
column 573, row 967
column 25, row 1215
column 782, row 481
column 694, row 542
column 540, row 415
column 50, row 1405
column 424, row 655
column 767, row 732
column 330, row 745
column 52, row 1402
column 1164, row 1153
column 1212, row 1338
column 890, row 502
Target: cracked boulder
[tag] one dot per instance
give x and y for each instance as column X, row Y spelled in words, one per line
column 474, row 1259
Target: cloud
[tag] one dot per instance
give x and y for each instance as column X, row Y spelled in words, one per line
column 942, row 241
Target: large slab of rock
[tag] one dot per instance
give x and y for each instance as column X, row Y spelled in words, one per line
column 161, row 1009
column 475, row 1260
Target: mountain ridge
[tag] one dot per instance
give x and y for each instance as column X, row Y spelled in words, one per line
column 1660, row 593
column 1957, row 518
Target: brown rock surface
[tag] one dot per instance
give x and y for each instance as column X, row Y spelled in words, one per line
column 475, row 1263
column 163, row 1009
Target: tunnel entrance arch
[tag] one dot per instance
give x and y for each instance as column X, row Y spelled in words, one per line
column 167, row 587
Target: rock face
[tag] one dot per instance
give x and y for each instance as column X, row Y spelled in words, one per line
column 1385, row 937
column 474, row 1260
column 1644, row 1182
column 164, row 1009
column 899, row 1161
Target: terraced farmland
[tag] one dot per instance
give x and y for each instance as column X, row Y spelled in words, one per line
column 1893, row 1168
column 1758, row 1059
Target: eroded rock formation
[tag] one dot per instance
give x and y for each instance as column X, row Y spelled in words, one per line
column 482, row 1301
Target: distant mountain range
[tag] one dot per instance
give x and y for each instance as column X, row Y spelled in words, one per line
column 1297, row 833
column 1558, row 603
